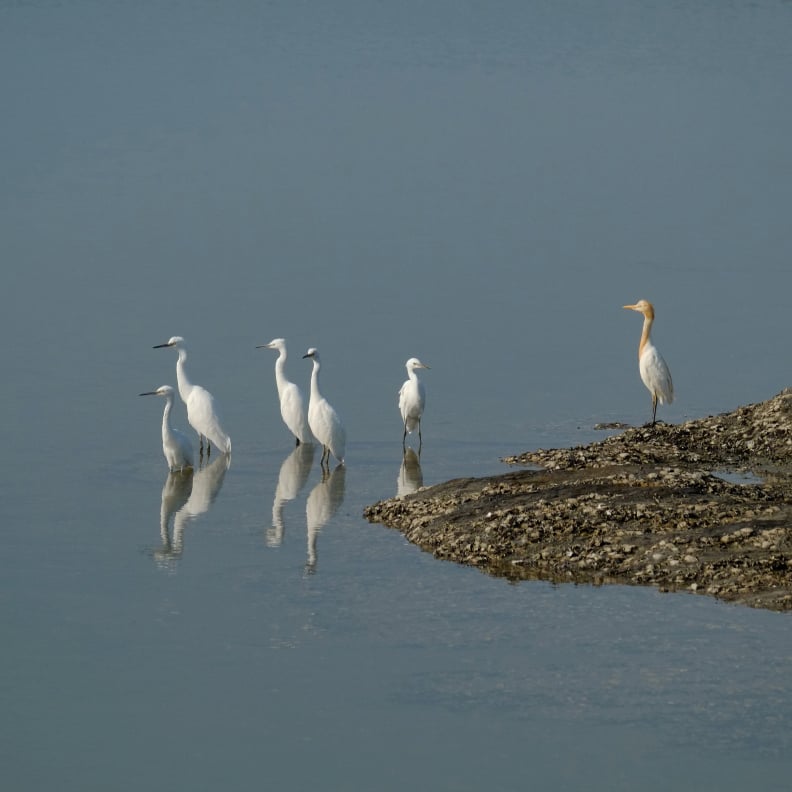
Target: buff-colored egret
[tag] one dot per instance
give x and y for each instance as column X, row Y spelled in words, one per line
column 653, row 369
column 325, row 424
column 292, row 402
column 175, row 444
column 202, row 414
column 412, row 399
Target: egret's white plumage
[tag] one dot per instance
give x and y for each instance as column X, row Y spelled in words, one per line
column 325, row 424
column 653, row 369
column 201, row 411
column 412, row 399
column 292, row 402
column 175, row 444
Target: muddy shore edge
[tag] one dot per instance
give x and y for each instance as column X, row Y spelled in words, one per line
column 704, row 506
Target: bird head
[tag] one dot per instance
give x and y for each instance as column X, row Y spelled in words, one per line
column 414, row 363
column 163, row 390
column 643, row 307
column 175, row 341
column 276, row 343
column 312, row 353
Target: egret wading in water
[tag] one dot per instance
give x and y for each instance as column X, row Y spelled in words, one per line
column 654, row 371
column 323, row 419
column 201, row 411
column 175, row 444
column 412, row 399
column 292, row 403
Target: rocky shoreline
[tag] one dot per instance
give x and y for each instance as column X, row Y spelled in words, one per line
column 704, row 506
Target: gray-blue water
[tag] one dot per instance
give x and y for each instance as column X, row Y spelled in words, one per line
column 481, row 185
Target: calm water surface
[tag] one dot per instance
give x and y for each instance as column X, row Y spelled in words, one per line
column 480, row 185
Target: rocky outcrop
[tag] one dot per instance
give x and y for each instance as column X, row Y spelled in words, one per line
column 705, row 506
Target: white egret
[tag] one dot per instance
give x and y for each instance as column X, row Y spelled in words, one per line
column 201, row 411
column 653, row 369
column 412, row 399
column 323, row 419
column 292, row 402
column 175, row 444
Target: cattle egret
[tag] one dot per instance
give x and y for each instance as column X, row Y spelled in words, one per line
column 653, row 369
column 412, row 398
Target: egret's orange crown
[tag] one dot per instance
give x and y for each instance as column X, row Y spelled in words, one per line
column 644, row 307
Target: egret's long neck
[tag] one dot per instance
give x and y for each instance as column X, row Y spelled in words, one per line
column 185, row 386
column 166, row 424
column 280, row 377
column 315, row 394
column 411, row 374
column 647, row 328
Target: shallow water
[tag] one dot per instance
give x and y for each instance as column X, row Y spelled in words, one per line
column 483, row 187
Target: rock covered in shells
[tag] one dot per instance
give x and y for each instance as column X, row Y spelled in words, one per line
column 642, row 507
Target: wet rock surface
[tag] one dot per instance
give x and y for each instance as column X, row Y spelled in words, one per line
column 705, row 506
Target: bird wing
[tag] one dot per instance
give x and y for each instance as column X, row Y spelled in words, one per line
column 293, row 412
column 185, row 446
column 203, row 417
column 412, row 398
column 328, row 427
column 656, row 375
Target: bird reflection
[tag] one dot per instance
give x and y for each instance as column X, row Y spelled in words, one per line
column 207, row 483
column 293, row 474
column 323, row 502
column 410, row 475
column 185, row 496
column 175, row 493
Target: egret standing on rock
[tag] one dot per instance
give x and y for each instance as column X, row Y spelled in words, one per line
column 292, row 403
column 175, row 444
column 323, row 419
column 412, row 398
column 654, row 371
column 201, row 412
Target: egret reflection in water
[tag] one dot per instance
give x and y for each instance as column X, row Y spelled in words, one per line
column 294, row 472
column 323, row 502
column 175, row 493
column 207, row 483
column 186, row 496
column 410, row 474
